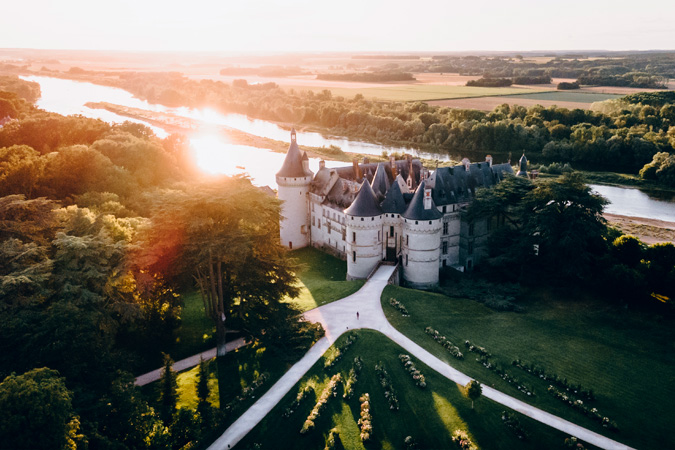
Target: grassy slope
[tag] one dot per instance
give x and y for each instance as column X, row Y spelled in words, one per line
column 567, row 96
column 421, row 92
column 323, row 279
column 626, row 358
column 429, row 415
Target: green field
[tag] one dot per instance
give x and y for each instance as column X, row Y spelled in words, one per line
column 566, row 96
column 423, row 92
column 322, row 278
column 625, row 357
column 429, row 415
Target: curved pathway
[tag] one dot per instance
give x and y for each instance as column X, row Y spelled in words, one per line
column 339, row 317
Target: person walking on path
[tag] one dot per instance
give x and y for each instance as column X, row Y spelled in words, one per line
column 357, row 315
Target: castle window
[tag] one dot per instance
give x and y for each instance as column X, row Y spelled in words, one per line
column 444, row 209
column 391, row 231
column 417, row 222
column 430, row 222
column 406, row 260
column 471, row 229
column 407, row 239
column 445, row 247
column 362, row 219
column 354, row 237
column 354, row 256
column 378, row 236
column 445, row 227
column 313, row 221
column 318, row 223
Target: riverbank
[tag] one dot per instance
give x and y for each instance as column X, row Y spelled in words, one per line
column 649, row 231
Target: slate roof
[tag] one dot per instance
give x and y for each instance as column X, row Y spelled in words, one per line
column 292, row 166
column 416, row 209
column 365, row 204
column 394, row 201
column 380, row 182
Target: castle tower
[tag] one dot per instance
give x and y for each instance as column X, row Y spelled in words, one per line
column 364, row 233
column 293, row 181
column 422, row 224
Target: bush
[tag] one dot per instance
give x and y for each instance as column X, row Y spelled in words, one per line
column 566, row 86
column 365, row 419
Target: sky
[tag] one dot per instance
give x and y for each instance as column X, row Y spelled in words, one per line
column 345, row 25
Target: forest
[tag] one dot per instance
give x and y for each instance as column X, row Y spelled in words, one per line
column 621, row 135
column 102, row 227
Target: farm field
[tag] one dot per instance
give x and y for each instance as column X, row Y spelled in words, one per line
column 429, row 415
column 489, row 103
column 568, row 96
column 624, row 356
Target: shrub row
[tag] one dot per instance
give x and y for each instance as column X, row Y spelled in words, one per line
column 399, row 306
column 246, row 393
column 340, row 351
column 504, row 375
column 512, row 423
column 385, row 382
column 412, row 370
column 302, row 395
column 366, row 419
column 449, row 346
column 353, row 378
column 333, row 441
column 328, row 392
column 476, row 349
column 555, row 379
column 462, row 441
column 579, row 405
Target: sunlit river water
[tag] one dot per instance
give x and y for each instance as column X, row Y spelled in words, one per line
column 213, row 154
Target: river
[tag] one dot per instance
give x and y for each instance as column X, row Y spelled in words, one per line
column 214, row 155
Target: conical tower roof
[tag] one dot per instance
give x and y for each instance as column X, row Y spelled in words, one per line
column 292, row 166
column 394, row 201
column 365, row 203
column 416, row 209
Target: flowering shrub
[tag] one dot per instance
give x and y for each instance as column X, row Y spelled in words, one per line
column 572, row 442
column 512, row 422
column 412, row 370
column 366, row 419
column 449, row 346
column 340, row 351
column 328, row 392
column 302, row 395
column 562, row 383
column 353, row 378
column 385, row 382
column 476, row 349
column 462, row 441
column 504, row 375
column 246, row 393
column 577, row 404
column 410, row 443
column 333, row 440
column 399, row 306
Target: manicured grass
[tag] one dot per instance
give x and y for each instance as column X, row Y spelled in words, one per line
column 196, row 332
column 625, row 357
column 323, row 279
column 428, row 415
column 423, row 92
column 566, row 96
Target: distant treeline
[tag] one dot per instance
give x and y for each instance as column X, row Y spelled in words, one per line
column 503, row 82
column 263, row 71
column 386, row 57
column 367, row 77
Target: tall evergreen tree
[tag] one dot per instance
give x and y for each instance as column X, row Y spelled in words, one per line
column 168, row 396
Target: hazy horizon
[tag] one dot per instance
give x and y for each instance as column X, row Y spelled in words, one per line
column 304, row 26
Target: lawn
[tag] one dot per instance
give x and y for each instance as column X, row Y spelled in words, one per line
column 565, row 96
column 424, row 92
column 625, row 357
column 429, row 415
column 323, row 279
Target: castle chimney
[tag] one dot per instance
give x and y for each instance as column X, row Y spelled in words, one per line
column 466, row 163
column 427, row 198
column 488, row 159
column 392, row 164
column 366, row 160
column 322, row 164
column 358, row 176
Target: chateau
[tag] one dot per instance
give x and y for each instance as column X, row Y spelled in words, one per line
column 396, row 211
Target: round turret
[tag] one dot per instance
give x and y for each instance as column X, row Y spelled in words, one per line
column 364, row 233
column 422, row 225
column 293, row 180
